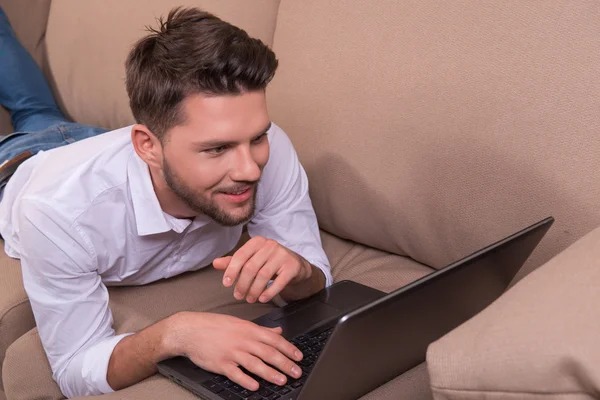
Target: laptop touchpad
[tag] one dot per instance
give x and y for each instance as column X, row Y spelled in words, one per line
column 299, row 321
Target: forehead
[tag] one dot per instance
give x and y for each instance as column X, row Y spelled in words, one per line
column 213, row 117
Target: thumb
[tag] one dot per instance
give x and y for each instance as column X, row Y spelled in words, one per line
column 277, row 329
column 221, row 263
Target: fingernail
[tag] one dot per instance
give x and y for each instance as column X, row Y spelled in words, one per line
column 227, row 281
column 263, row 299
column 298, row 354
column 296, row 371
column 280, row 379
column 238, row 295
column 250, row 299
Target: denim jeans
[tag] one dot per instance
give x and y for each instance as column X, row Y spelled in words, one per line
column 37, row 121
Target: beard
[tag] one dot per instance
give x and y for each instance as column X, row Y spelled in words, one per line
column 206, row 206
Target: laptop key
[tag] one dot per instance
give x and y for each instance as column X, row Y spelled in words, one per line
column 297, row 384
column 302, row 338
column 272, row 386
column 236, row 388
column 265, row 392
column 283, row 390
column 226, row 383
column 274, row 396
column 212, row 386
column 255, row 396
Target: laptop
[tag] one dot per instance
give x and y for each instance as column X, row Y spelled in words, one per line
column 355, row 338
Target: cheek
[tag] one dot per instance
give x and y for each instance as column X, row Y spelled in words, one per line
column 202, row 175
column 261, row 154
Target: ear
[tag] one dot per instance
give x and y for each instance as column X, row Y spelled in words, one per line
column 147, row 146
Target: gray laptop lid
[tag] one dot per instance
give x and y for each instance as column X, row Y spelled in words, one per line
column 386, row 338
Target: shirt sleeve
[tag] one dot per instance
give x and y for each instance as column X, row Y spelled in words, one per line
column 68, row 298
column 284, row 209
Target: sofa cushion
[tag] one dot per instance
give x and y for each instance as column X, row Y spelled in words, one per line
column 538, row 341
column 88, row 43
column 16, row 317
column 432, row 129
column 29, row 24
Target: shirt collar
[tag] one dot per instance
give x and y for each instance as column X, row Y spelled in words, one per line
column 150, row 219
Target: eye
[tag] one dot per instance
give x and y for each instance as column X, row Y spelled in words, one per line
column 260, row 138
column 216, row 150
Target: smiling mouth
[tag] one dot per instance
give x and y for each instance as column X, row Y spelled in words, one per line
column 236, row 192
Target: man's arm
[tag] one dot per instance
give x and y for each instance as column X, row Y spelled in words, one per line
column 68, row 298
column 286, row 245
column 70, row 305
column 217, row 343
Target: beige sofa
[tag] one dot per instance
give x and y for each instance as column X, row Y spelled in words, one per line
column 428, row 129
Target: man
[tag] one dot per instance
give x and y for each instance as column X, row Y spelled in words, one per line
column 167, row 195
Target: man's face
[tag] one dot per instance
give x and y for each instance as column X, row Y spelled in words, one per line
column 213, row 162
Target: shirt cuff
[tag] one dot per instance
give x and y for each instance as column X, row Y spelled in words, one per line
column 95, row 364
column 326, row 271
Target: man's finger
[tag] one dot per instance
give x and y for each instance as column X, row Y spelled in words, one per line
column 277, row 341
column 274, row 357
column 221, row 263
column 282, row 280
column 262, row 279
column 258, row 367
column 254, row 268
column 239, row 258
column 234, row 373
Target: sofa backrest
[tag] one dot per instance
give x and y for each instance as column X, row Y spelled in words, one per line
column 426, row 129
column 88, row 42
column 433, row 128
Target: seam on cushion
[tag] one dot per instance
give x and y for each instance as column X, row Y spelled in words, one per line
column 517, row 392
column 12, row 307
column 348, row 257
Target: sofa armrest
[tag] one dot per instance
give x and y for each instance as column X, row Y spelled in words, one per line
column 16, row 316
column 538, row 340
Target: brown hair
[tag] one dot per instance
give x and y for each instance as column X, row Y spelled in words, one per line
column 191, row 52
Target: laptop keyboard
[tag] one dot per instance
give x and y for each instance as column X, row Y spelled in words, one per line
column 310, row 346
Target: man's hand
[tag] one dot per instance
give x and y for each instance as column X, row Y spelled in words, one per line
column 261, row 260
column 217, row 343
column 222, row 344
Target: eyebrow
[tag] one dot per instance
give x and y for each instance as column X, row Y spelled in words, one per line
column 219, row 143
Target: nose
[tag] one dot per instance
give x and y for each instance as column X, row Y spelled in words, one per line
column 246, row 168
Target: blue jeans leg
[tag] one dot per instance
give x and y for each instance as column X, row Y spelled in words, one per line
column 23, row 88
column 54, row 136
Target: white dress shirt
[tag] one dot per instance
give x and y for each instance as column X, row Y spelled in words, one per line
column 85, row 216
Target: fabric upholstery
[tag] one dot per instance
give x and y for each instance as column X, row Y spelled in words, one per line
column 16, row 317
column 432, row 129
column 88, row 67
column 28, row 18
column 538, row 341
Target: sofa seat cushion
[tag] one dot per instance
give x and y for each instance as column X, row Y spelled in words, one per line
column 538, row 341
column 137, row 307
column 16, row 317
